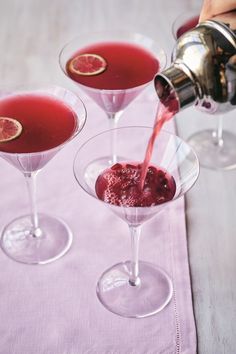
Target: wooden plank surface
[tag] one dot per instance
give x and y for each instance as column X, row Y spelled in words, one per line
column 32, row 33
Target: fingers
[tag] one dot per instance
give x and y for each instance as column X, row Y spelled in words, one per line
column 211, row 8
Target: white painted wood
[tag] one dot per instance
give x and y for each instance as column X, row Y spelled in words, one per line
column 32, row 33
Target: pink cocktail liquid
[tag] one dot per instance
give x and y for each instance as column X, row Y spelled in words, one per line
column 47, row 122
column 129, row 68
column 120, row 185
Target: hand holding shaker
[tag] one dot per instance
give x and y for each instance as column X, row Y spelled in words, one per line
column 203, row 69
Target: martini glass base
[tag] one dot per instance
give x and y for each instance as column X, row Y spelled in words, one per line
column 152, row 294
column 19, row 244
column 214, row 154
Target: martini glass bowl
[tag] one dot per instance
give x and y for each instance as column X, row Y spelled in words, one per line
column 112, row 95
column 215, row 147
column 38, row 238
column 137, row 288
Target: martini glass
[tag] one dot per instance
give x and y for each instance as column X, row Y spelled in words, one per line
column 38, row 238
column 137, row 288
column 110, row 94
column 185, row 22
column 215, row 147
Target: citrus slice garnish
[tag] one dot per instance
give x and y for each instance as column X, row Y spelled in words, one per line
column 9, row 129
column 87, row 64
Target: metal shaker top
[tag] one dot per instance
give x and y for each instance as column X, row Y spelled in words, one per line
column 199, row 72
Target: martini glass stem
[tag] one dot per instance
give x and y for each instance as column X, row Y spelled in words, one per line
column 31, row 186
column 113, row 121
column 218, row 133
column 135, row 232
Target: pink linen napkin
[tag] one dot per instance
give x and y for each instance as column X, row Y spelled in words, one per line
column 53, row 309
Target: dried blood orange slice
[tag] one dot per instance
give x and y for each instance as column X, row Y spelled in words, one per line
column 87, row 64
column 9, row 129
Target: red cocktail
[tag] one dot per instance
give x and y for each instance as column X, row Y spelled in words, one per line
column 120, row 185
column 35, row 123
column 136, row 288
column 47, row 122
column 128, row 63
column 127, row 66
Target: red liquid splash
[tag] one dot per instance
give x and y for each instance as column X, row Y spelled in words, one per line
column 168, row 107
column 120, row 185
column 47, row 122
column 141, row 184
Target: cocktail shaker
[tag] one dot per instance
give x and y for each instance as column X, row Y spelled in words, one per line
column 203, row 69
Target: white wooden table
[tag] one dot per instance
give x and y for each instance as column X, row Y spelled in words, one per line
column 32, row 33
